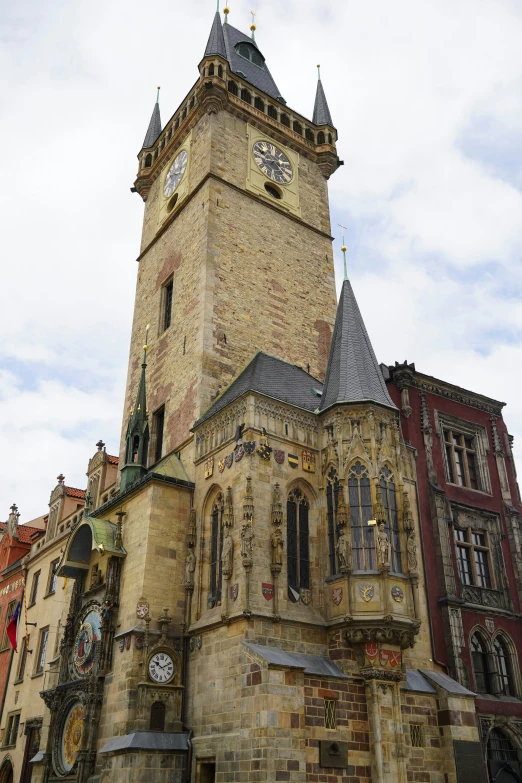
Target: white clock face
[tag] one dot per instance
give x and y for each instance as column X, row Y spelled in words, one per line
column 272, row 162
column 161, row 667
column 175, row 173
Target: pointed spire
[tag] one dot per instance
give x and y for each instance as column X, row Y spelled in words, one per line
column 216, row 41
column 353, row 373
column 154, row 129
column 343, row 250
column 137, row 439
column 322, row 114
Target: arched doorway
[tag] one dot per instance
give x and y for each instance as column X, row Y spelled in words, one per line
column 6, row 771
column 503, row 758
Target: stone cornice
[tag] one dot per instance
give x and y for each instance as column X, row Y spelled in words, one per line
column 433, row 386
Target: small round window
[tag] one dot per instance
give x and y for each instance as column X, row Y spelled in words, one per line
column 273, row 191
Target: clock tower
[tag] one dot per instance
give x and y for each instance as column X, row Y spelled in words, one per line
column 236, row 252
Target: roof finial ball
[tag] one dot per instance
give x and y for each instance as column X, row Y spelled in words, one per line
column 319, row 71
column 343, row 251
column 253, row 27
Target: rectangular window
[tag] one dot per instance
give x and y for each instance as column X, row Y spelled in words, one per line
column 416, row 735
column 51, row 588
column 34, row 588
column 11, row 732
column 23, row 659
column 10, row 612
column 158, row 425
column 472, row 550
column 167, row 296
column 461, row 459
column 329, row 714
column 42, row 649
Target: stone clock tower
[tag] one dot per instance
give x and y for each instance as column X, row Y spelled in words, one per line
column 236, row 251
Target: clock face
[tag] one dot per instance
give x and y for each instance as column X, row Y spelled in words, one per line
column 272, row 162
column 72, row 732
column 161, row 667
column 86, row 638
column 175, row 173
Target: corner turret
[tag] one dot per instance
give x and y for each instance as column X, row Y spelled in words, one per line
column 137, row 438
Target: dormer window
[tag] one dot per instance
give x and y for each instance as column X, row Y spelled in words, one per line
column 250, row 52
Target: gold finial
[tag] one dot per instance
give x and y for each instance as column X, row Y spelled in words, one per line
column 253, row 27
column 226, row 10
column 344, row 249
column 146, row 346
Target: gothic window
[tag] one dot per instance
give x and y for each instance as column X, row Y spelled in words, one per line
column 285, row 120
column 193, row 100
column 329, row 138
column 309, row 134
column 392, row 526
column 259, row 104
column 216, row 545
column 332, row 497
column 361, row 510
column 250, row 52
column 297, row 540
column 158, row 426
column 501, row 750
column 184, row 113
column 298, row 128
column 320, row 138
column 504, row 669
column 473, row 557
column 211, row 69
column 157, row 716
column 272, row 112
column 167, row 295
column 148, row 161
column 479, row 659
column 460, row 459
column 232, row 87
column 245, row 96
column 220, row 73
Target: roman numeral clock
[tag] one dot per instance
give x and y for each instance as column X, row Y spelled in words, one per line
column 273, row 171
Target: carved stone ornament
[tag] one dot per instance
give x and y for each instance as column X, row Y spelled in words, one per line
column 190, row 567
column 247, row 542
column 383, row 547
column 227, row 555
column 391, row 675
column 407, row 516
column 366, row 592
column 276, row 516
column 277, row 543
column 248, row 503
column 412, row 553
column 337, row 595
column 384, row 633
column 228, row 511
column 344, row 550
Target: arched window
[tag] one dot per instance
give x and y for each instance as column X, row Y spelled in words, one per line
column 392, row 525
column 177, row 123
column 211, row 69
column 216, row 545
column 332, row 497
column 245, row 96
column 504, row 668
column 361, row 510
column 192, row 101
column 501, row 751
column 259, row 104
column 220, row 71
column 298, row 127
column 272, row 112
column 285, row 120
column 232, row 87
column 157, row 716
column 309, row 134
column 148, row 161
column 479, row 659
column 320, row 138
column 184, row 114
column 297, row 540
column 249, row 52
column 329, row 138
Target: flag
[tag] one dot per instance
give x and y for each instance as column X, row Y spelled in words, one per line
column 12, row 628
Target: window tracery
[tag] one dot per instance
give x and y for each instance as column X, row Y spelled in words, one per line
column 361, row 510
column 332, row 500
column 216, row 546
column 298, row 540
column 389, row 499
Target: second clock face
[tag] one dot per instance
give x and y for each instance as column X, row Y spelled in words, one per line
column 272, row 162
column 175, row 173
column 161, row 667
column 86, row 638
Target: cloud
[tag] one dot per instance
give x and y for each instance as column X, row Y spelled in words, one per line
column 427, row 98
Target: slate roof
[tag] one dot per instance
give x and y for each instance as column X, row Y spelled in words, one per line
column 148, row 740
column 216, row 41
column 322, row 114
column 416, row 682
column 353, row 373
column 446, row 682
column 154, row 129
column 273, row 377
column 258, row 77
column 312, row 664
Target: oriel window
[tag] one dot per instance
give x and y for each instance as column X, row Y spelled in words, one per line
column 168, row 294
column 297, row 538
column 461, row 459
column 361, row 510
column 392, row 526
column 216, row 546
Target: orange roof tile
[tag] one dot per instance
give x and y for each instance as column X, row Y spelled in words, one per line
column 75, row 493
column 113, row 460
column 26, row 533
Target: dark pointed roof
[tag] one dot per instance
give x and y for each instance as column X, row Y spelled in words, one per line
column 257, row 76
column 216, row 41
column 154, row 129
column 322, row 114
column 274, row 378
column 139, row 417
column 353, row 373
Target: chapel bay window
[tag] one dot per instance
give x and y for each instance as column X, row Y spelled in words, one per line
column 392, row 525
column 216, row 546
column 473, row 557
column 481, row 668
column 361, row 510
column 461, row 459
column 297, row 541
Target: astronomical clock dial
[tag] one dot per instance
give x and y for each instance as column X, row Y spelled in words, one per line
column 86, row 638
column 71, row 739
column 175, row 173
column 161, row 667
column 272, row 162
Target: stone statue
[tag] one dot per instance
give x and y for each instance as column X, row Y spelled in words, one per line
column 106, row 612
column 67, row 632
column 277, row 547
column 227, row 554
column 412, row 552
column 96, row 577
column 190, row 567
column 344, row 550
column 383, row 547
column 247, row 541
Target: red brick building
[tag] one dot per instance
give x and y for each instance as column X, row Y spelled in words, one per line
column 471, row 526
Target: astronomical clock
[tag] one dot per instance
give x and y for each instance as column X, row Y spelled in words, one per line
column 273, row 171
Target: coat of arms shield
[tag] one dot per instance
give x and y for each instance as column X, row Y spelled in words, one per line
column 229, row 459
column 306, row 596
column 366, row 592
column 337, row 595
column 249, row 447
column 238, row 453
column 267, row 590
column 234, row 591
column 221, row 465
column 279, row 456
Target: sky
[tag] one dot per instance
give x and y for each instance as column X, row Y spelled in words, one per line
column 427, row 99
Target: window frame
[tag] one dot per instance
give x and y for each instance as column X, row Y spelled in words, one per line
column 53, row 577
column 166, row 304
column 330, row 714
column 20, row 672
column 298, row 544
column 366, row 544
column 332, row 502
column 35, row 584
column 458, row 458
column 215, row 582
column 12, row 723
column 485, row 672
column 43, row 641
column 468, row 543
column 157, row 443
column 11, row 606
column 392, row 527
column 445, row 422
column 507, row 685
